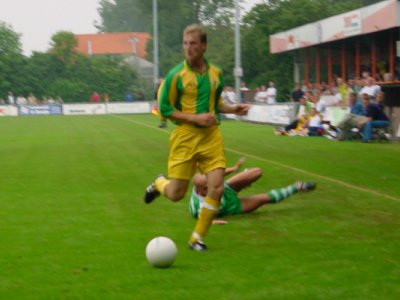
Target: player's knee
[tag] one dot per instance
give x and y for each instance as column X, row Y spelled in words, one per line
column 177, row 195
column 216, row 190
column 256, row 173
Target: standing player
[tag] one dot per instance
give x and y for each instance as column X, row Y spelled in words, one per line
column 191, row 98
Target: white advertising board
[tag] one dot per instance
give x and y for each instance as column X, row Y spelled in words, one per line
column 8, row 110
column 128, row 108
column 84, row 109
column 280, row 114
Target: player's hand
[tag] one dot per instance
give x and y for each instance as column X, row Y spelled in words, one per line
column 240, row 162
column 219, row 222
column 205, row 119
column 241, row 109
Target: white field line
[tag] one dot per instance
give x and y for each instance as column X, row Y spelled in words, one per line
column 336, row 181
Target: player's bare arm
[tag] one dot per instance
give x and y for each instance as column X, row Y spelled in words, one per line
column 237, row 109
column 235, row 167
column 204, row 119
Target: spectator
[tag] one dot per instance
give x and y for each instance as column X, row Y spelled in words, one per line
column 324, row 89
column 314, row 123
column 375, row 117
column 380, row 99
column 21, row 100
column 229, row 95
column 95, row 97
column 261, row 95
column 302, row 116
column 11, row 98
column 297, row 93
column 388, row 77
column 128, row 97
column 32, row 99
column 321, row 105
column 370, row 88
column 243, row 87
column 356, row 115
column 271, row 93
column 106, row 97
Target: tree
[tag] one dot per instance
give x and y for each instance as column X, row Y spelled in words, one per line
column 10, row 57
column 135, row 15
column 63, row 46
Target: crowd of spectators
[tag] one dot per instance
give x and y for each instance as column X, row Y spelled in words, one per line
column 30, row 99
column 362, row 96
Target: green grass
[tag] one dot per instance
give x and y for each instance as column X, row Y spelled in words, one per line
column 73, row 224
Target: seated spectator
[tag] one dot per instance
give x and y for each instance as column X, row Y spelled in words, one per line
column 370, row 87
column 380, row 99
column 324, row 89
column 314, row 123
column 321, row 105
column 356, row 115
column 375, row 117
column 388, row 77
column 302, row 116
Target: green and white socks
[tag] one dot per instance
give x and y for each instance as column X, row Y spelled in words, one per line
column 280, row 194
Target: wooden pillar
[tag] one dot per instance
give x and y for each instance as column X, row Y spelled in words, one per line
column 330, row 78
column 343, row 61
column 373, row 57
column 318, row 66
column 358, row 58
column 391, row 53
column 306, row 66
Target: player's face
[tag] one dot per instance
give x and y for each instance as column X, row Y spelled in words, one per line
column 193, row 47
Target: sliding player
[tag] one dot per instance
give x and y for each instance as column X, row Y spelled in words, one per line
column 231, row 202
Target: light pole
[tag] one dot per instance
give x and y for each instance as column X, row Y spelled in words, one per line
column 238, row 71
column 134, row 41
column 155, row 43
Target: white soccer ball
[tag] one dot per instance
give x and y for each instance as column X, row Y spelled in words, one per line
column 161, row 252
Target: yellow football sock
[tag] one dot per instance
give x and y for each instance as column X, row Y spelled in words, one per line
column 161, row 183
column 206, row 215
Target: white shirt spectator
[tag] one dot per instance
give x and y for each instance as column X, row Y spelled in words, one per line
column 10, row 99
column 315, row 121
column 261, row 95
column 369, row 90
column 271, row 95
column 321, row 105
column 231, row 97
column 21, row 100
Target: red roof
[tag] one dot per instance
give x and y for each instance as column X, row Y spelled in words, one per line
column 114, row 43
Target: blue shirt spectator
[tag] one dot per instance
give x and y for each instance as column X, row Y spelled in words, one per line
column 357, row 108
column 128, row 97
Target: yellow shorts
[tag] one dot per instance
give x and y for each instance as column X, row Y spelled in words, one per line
column 192, row 148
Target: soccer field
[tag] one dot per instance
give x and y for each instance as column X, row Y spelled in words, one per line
column 73, row 224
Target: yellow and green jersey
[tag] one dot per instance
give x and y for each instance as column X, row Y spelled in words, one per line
column 191, row 92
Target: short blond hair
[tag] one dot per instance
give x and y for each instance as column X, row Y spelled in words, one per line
column 198, row 29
